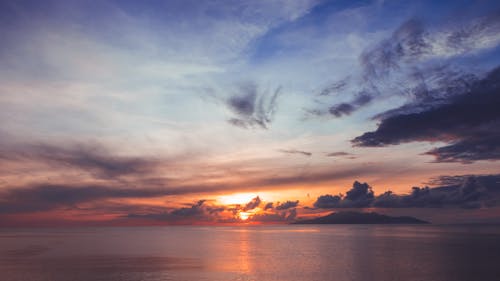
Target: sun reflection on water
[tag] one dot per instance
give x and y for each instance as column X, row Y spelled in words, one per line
column 244, row 255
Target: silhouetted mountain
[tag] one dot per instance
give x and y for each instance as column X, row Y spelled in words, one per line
column 360, row 218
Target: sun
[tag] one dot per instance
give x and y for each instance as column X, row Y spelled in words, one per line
column 244, row 215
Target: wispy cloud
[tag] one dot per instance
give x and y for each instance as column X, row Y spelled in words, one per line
column 403, row 63
column 295, row 151
column 90, row 157
column 341, row 154
column 253, row 108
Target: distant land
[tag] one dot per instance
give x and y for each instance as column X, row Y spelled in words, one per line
column 360, row 218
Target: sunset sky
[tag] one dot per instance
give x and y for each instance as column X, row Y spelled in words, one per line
column 213, row 112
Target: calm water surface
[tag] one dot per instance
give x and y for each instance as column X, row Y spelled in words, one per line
column 298, row 252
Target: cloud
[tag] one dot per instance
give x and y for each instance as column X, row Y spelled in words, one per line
column 412, row 43
column 292, row 214
column 468, row 151
column 45, row 197
column 281, row 216
column 467, row 195
column 359, row 196
column 343, row 154
column 344, row 109
column 108, row 175
column 335, row 87
column 456, row 180
column 328, row 201
column 294, row 151
column 253, row 108
column 53, row 196
column 194, row 210
column 89, row 199
column 469, row 122
column 254, row 203
column 405, row 63
column 200, row 211
column 468, row 192
column 341, row 109
column 90, row 157
column 433, row 86
column 480, row 33
column 287, row 205
column 268, row 217
column 206, row 211
column 407, row 43
column 338, row 153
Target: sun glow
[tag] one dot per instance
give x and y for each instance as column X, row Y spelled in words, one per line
column 244, row 215
column 236, row 198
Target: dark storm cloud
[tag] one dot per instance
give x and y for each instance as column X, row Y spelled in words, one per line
column 253, row 108
column 470, row 123
column 254, row 203
column 295, row 151
column 92, row 158
column 468, row 192
column 287, row 205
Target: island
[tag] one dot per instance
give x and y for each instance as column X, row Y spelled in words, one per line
column 360, row 218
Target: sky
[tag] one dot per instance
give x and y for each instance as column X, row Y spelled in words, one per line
column 221, row 112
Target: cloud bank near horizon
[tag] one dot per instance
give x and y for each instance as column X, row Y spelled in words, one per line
column 467, row 192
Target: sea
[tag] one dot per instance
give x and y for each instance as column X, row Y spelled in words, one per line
column 264, row 253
